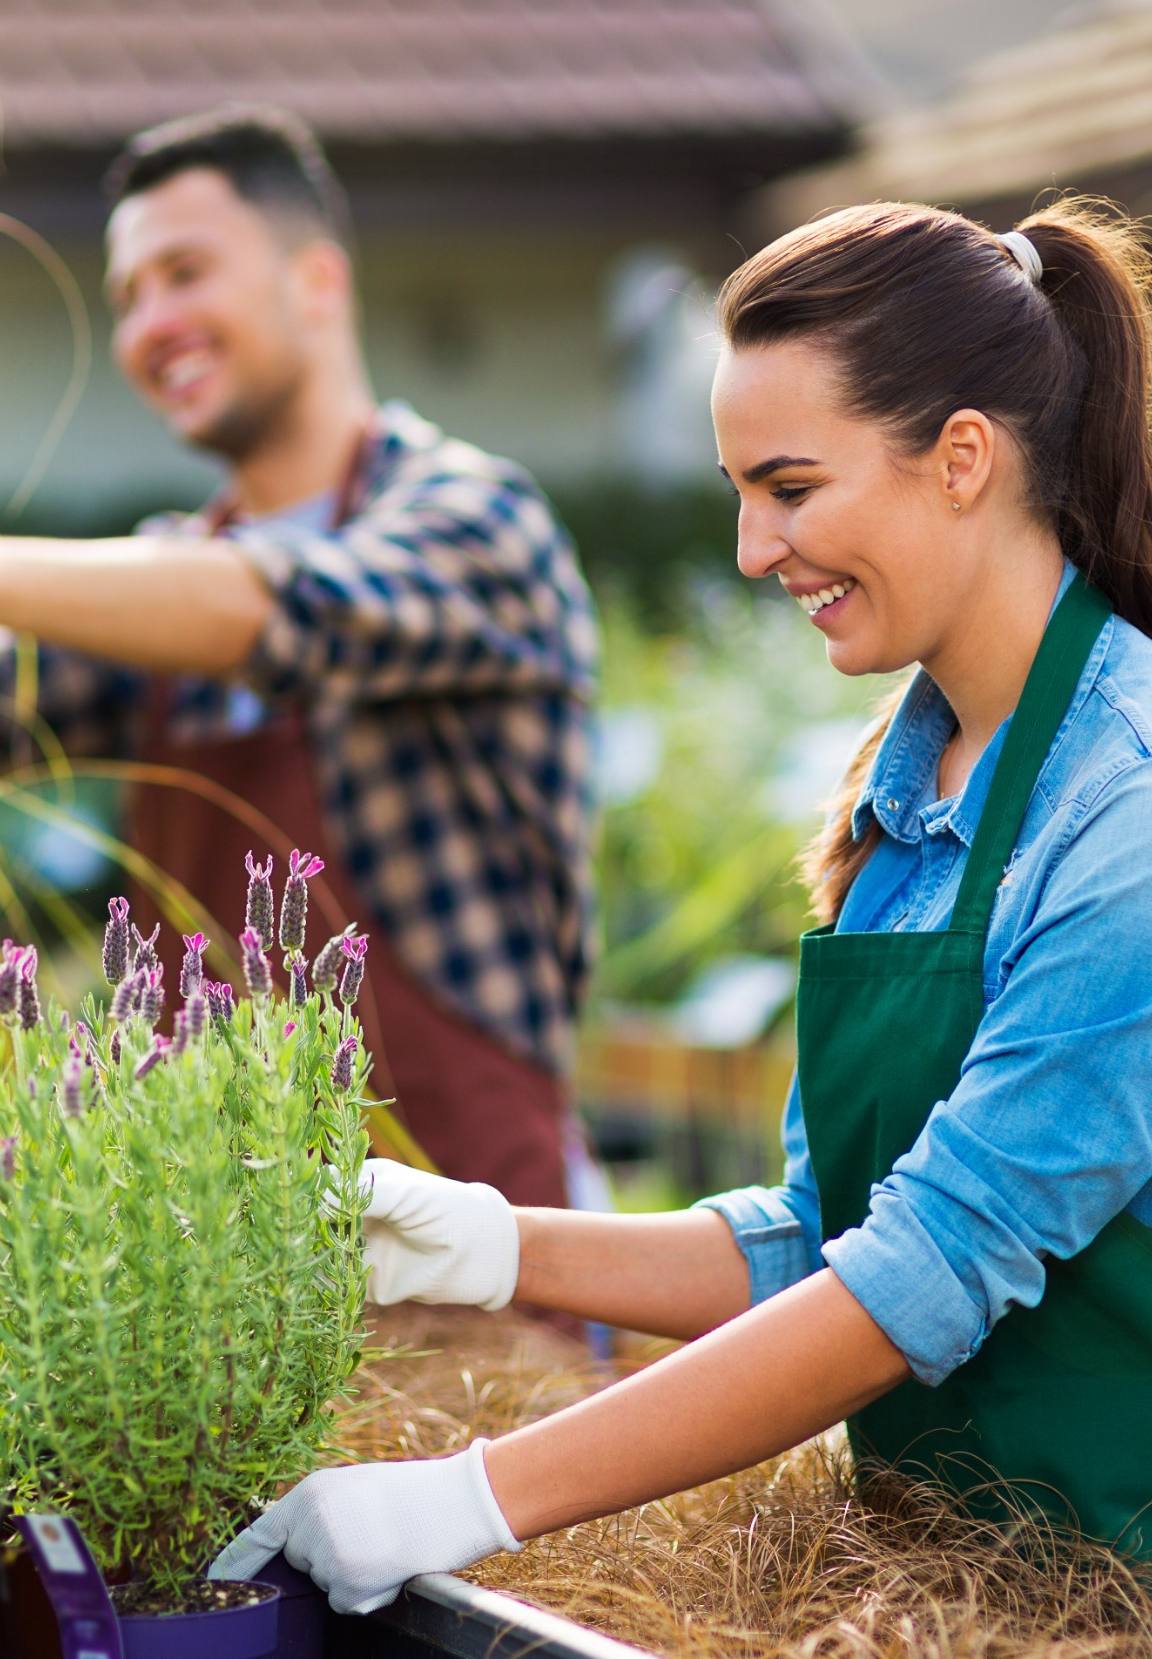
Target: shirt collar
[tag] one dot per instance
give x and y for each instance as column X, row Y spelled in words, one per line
column 901, row 791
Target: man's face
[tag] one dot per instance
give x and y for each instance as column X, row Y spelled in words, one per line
column 211, row 325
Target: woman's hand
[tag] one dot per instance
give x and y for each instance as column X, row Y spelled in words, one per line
column 428, row 1239
column 362, row 1532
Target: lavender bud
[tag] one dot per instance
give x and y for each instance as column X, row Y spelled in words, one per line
column 260, row 908
column 342, row 1064
column 129, row 995
column 294, row 908
column 257, row 973
column 298, row 987
column 327, row 966
column 116, row 941
column 179, row 1032
column 192, row 968
column 195, row 1013
column 8, row 1157
column 114, row 1048
column 353, row 951
column 144, row 950
column 27, row 996
column 9, row 986
column 152, row 995
column 156, row 1053
column 227, row 1002
column 71, row 1092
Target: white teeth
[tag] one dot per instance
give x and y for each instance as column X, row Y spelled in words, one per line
column 813, row 602
column 182, row 371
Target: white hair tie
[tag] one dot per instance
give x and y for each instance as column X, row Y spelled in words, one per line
column 1025, row 254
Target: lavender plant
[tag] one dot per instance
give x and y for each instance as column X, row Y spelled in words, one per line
column 181, row 1282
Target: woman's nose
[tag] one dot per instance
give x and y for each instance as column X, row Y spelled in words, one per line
column 760, row 550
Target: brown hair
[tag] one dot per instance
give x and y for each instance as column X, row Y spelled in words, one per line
column 926, row 313
column 270, row 157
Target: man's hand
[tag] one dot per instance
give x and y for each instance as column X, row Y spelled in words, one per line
column 363, row 1531
column 428, row 1239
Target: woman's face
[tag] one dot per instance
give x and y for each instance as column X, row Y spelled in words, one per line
column 829, row 507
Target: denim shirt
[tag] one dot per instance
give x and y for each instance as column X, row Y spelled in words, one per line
column 1048, row 1132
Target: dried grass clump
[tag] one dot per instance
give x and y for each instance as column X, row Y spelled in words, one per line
column 781, row 1560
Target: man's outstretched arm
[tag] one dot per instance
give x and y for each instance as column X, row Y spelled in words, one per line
column 170, row 603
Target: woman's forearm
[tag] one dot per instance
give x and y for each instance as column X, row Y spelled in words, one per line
column 759, row 1385
column 674, row 1275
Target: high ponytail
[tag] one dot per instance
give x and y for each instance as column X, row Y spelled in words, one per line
column 927, row 313
column 1097, row 279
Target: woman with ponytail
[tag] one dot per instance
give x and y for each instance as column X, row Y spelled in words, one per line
column 939, row 438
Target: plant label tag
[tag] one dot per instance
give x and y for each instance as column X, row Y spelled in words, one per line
column 72, row 1582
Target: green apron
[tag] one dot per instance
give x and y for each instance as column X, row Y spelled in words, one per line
column 1054, row 1412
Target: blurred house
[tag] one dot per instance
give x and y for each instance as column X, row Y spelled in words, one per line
column 1069, row 110
column 514, row 167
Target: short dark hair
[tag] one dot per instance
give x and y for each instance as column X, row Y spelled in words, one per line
column 270, row 157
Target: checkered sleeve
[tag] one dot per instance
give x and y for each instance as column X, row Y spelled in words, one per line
column 447, row 583
column 84, row 703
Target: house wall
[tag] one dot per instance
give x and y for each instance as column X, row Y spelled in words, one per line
column 504, row 340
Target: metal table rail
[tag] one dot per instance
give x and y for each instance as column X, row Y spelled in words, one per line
column 440, row 1614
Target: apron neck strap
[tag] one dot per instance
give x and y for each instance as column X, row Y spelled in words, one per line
column 1064, row 649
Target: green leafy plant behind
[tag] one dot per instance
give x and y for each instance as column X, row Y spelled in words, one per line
column 181, row 1277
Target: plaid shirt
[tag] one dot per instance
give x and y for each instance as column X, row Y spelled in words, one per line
column 441, row 645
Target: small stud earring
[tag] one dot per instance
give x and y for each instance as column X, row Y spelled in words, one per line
column 955, row 506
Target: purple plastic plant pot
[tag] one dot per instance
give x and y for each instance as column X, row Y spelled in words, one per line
column 302, row 1611
column 229, row 1633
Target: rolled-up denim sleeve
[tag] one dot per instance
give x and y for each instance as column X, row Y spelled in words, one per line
column 777, row 1229
column 1048, row 1133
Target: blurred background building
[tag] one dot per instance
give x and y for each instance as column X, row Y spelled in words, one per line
column 540, row 187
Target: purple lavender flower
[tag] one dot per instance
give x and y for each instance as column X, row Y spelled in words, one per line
column 157, row 1052
column 192, row 967
column 152, row 994
column 257, row 972
column 342, row 1064
column 294, row 906
column 353, row 949
column 27, row 996
column 327, row 966
column 116, row 941
column 72, row 1087
column 144, row 950
column 195, row 1013
column 298, row 985
column 129, row 997
column 289, row 1028
column 260, row 909
column 9, row 979
column 8, row 1157
column 227, row 1001
column 114, row 1048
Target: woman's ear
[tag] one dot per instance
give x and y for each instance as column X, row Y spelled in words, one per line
column 965, row 453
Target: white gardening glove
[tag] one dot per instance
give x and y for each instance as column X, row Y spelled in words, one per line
column 428, row 1239
column 364, row 1531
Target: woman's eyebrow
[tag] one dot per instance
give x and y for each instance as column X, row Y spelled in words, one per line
column 775, row 463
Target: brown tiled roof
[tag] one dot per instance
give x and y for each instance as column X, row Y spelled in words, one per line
column 1062, row 110
column 85, row 72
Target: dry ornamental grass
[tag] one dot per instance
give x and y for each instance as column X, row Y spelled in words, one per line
column 782, row 1561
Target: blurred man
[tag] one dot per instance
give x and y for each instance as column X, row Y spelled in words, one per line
column 376, row 636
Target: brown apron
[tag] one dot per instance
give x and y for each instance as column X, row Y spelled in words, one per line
column 480, row 1112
